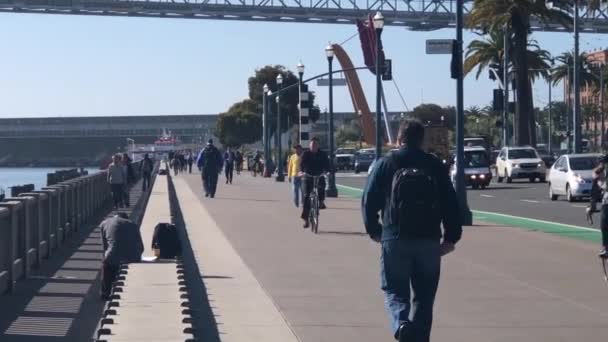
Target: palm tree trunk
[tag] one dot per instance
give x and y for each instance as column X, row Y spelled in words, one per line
column 524, row 105
column 532, row 121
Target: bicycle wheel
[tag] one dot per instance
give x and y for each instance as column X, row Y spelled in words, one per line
column 314, row 214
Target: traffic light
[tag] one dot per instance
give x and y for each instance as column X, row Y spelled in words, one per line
column 455, row 69
column 387, row 71
column 498, row 100
column 305, row 104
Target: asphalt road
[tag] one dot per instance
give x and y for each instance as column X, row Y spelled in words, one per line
column 519, row 198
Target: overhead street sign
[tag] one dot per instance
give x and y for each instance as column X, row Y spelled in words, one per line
column 439, row 46
column 336, row 82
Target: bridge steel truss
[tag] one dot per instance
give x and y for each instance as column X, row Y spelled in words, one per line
column 419, row 15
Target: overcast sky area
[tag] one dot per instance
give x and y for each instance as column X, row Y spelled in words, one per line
column 58, row 65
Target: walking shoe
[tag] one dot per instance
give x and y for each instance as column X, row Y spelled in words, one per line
column 306, row 224
column 322, row 205
column 589, row 215
column 603, row 253
column 206, row 195
column 405, row 332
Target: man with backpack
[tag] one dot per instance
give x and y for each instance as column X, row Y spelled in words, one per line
column 210, row 162
column 412, row 190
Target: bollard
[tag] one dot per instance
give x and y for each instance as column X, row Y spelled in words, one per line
column 6, row 251
column 28, row 225
column 16, row 240
column 59, row 210
column 40, row 224
column 47, row 221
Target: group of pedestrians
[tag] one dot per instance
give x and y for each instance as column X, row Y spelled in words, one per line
column 181, row 161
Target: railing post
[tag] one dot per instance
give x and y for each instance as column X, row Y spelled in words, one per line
column 59, row 210
column 7, row 256
column 17, row 241
column 28, row 225
column 47, row 221
column 40, row 205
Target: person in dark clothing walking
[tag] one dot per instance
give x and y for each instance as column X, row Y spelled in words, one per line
column 190, row 161
column 238, row 159
column 229, row 158
column 145, row 167
column 117, row 178
column 122, row 244
column 413, row 191
column 210, row 162
column 314, row 162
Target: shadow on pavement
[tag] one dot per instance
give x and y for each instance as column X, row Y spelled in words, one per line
column 59, row 302
column 203, row 319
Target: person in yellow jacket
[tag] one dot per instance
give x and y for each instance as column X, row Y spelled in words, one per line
column 293, row 169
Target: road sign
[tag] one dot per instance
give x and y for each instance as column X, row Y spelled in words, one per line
column 337, row 82
column 439, row 46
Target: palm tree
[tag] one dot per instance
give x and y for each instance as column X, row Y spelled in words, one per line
column 516, row 15
column 483, row 53
column 564, row 70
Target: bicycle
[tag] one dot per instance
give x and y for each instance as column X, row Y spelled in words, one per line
column 313, row 215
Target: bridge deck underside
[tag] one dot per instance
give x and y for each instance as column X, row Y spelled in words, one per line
column 422, row 15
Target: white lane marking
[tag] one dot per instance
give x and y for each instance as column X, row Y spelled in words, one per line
column 579, row 206
column 488, row 196
column 530, row 201
column 539, row 221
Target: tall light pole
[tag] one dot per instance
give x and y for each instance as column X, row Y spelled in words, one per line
column 505, row 110
column 360, row 114
column 280, row 175
column 265, row 130
column 602, row 117
column 378, row 26
column 300, row 68
column 331, row 190
column 461, row 191
column 577, row 84
column 550, row 114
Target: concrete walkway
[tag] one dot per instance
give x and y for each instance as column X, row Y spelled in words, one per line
column 60, row 301
column 502, row 283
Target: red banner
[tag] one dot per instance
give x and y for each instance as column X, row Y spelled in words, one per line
column 367, row 35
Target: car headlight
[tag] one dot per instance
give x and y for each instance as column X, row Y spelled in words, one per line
column 473, row 176
column 514, row 165
column 579, row 179
column 539, row 165
column 482, row 176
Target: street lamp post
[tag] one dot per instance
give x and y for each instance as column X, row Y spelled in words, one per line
column 265, row 130
column 360, row 114
column 577, row 84
column 331, row 190
column 280, row 175
column 300, row 68
column 461, row 191
column 378, row 26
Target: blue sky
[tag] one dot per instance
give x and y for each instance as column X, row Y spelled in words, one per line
column 57, row 65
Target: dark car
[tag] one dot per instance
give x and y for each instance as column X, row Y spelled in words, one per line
column 363, row 160
column 345, row 158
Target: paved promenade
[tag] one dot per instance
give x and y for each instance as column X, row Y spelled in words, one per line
column 502, row 283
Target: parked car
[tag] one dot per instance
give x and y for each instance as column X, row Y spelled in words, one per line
column 364, row 159
column 477, row 172
column 345, row 158
column 520, row 162
column 571, row 176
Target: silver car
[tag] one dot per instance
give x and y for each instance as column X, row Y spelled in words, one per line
column 571, row 176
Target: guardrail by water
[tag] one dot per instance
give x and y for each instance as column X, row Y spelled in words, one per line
column 35, row 224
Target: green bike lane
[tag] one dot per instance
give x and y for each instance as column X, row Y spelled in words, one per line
column 531, row 224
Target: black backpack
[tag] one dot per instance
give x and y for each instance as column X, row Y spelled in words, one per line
column 414, row 198
column 166, row 239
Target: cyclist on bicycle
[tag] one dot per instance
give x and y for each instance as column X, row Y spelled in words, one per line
column 314, row 162
column 604, row 208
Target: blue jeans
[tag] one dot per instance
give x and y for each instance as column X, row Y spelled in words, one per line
column 297, row 190
column 410, row 264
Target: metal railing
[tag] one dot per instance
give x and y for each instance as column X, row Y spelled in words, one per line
column 35, row 224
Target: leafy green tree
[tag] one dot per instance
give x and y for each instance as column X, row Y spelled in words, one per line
column 348, row 133
column 238, row 127
column 516, row 15
column 430, row 113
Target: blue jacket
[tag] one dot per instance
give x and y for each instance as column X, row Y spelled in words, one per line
column 210, row 159
column 376, row 198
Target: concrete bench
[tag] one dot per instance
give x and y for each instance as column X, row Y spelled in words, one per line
column 150, row 299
